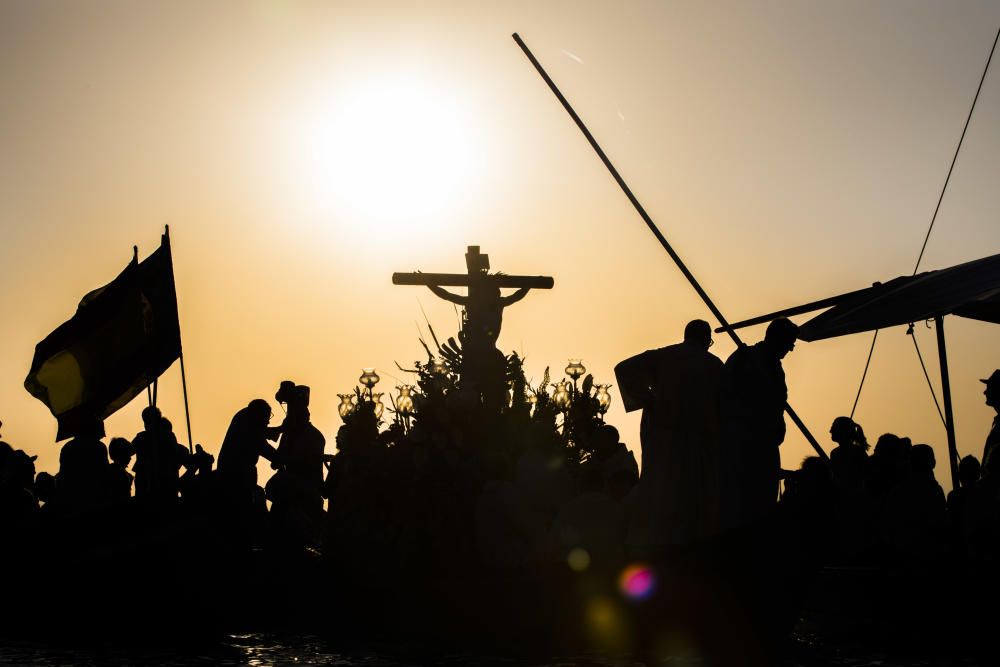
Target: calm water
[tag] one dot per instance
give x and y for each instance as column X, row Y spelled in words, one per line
column 271, row 650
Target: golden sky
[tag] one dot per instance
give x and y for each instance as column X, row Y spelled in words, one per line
column 303, row 151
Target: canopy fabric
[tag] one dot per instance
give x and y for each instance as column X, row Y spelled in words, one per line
column 969, row 290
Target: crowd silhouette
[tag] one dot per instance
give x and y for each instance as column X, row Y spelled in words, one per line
column 461, row 482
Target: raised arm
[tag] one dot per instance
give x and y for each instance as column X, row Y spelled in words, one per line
column 515, row 297
column 448, row 296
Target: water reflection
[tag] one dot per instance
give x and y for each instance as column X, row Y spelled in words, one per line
column 301, row 650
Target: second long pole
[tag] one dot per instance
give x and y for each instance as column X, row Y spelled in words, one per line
column 654, row 229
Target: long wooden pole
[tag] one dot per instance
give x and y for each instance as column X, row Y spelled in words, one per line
column 653, row 228
column 949, row 415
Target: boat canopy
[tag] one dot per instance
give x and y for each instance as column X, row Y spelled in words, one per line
column 968, row 290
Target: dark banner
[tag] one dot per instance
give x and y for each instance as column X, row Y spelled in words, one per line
column 123, row 336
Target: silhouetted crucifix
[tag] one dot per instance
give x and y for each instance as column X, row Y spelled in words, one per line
column 484, row 304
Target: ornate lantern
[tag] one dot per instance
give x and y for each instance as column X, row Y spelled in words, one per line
column 369, row 378
column 575, row 369
column 603, row 398
column 346, row 405
column 438, row 367
column 560, row 396
column 404, row 404
column 379, row 406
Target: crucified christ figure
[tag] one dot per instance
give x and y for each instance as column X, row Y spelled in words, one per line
column 483, row 365
column 483, row 309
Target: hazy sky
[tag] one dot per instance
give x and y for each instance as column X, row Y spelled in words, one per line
column 303, row 151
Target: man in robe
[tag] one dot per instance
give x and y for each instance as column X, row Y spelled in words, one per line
column 245, row 442
column 991, row 452
column 982, row 521
column 752, row 402
column 676, row 387
column 296, row 490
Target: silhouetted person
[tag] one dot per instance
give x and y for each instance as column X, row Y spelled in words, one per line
column 45, row 487
column 83, row 471
column 848, row 459
column 848, row 468
column 119, row 479
column 913, row 515
column 18, row 505
column 922, row 464
column 752, row 401
column 617, row 463
column 676, row 501
column 245, row 442
column 991, row 451
column 887, row 466
column 809, row 502
column 144, row 446
column 958, row 499
column 591, row 523
column 983, row 521
column 196, row 481
column 158, row 459
column 6, row 451
column 296, row 490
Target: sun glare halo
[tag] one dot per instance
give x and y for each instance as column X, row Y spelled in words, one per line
column 393, row 155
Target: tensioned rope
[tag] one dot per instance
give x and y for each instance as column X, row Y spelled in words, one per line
column 912, row 334
column 927, row 237
column 864, row 375
column 957, row 149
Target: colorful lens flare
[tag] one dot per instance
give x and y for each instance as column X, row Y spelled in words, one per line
column 637, row 582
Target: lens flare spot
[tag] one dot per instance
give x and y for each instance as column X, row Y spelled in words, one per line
column 602, row 616
column 637, row 581
column 578, row 559
column 606, row 623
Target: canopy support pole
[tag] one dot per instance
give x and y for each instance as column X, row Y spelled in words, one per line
column 949, row 416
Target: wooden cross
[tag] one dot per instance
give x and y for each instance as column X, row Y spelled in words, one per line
column 478, row 264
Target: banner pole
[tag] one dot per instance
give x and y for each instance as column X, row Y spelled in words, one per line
column 184, row 388
column 187, row 410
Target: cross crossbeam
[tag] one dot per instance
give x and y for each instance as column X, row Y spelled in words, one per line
column 463, row 280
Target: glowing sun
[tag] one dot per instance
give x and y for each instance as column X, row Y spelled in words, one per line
column 392, row 153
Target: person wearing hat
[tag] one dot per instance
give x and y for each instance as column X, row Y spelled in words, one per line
column 991, row 452
column 296, row 490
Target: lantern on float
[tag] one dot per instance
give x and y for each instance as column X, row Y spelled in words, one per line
column 346, row 405
column 575, row 369
column 369, row 378
column 603, row 398
column 560, row 395
column 404, row 404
